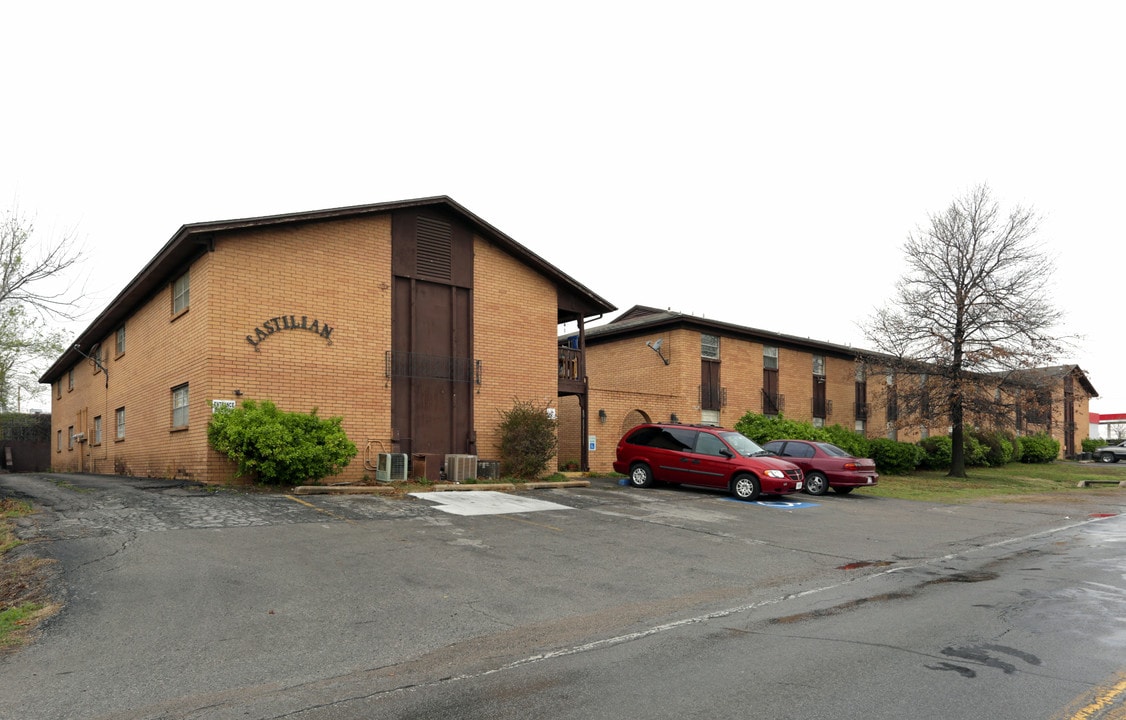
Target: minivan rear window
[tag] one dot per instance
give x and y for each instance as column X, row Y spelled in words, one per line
column 666, row 438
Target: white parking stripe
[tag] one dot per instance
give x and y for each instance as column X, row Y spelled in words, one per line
column 486, row 502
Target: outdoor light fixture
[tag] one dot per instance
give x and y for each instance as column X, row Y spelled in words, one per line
column 655, row 346
column 238, row 393
column 601, row 416
column 674, row 418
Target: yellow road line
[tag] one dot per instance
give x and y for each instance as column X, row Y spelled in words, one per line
column 1104, row 699
column 320, row 510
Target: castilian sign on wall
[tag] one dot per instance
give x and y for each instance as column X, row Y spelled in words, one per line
column 288, row 322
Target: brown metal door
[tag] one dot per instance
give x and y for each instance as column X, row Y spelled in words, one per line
column 432, row 370
column 771, row 402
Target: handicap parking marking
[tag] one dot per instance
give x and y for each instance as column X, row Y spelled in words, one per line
column 780, row 504
column 486, row 502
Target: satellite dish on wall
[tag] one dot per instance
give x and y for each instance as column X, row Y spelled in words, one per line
column 655, row 346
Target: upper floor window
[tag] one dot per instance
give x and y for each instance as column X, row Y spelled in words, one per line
column 181, row 293
column 709, row 347
column 119, row 341
column 770, row 357
column 70, row 379
column 180, row 406
column 861, row 373
column 818, row 364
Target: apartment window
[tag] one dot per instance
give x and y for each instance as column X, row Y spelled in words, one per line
column 70, row 438
column 181, row 293
column 59, row 441
column 70, row 379
column 709, row 347
column 119, row 340
column 818, row 364
column 119, row 416
column 860, row 426
column 769, row 357
column 58, row 390
column 180, row 406
column 98, row 430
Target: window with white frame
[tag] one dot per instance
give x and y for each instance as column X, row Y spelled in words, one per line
column 709, row 347
column 180, row 406
column 119, row 341
column 770, row 357
column 119, row 417
column 98, row 430
column 70, row 438
column 818, row 364
column 181, row 293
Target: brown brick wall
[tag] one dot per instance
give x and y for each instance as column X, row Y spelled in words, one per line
column 514, row 336
column 629, row 381
column 337, row 274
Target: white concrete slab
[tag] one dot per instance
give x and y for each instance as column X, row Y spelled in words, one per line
column 486, row 502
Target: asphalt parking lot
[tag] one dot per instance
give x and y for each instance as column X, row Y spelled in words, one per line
column 180, row 597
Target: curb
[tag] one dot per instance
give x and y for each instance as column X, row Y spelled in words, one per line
column 445, row 487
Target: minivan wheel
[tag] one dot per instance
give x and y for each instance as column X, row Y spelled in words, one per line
column 745, row 487
column 816, row 484
column 640, row 476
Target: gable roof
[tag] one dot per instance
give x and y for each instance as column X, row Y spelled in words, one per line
column 192, row 240
column 641, row 319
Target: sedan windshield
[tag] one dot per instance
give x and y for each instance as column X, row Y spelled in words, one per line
column 742, row 444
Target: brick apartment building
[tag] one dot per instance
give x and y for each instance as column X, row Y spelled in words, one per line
column 655, row 365
column 414, row 321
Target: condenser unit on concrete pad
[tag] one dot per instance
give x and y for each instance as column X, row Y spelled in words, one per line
column 460, row 467
column 391, row 467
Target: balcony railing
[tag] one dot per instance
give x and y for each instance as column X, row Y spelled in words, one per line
column 433, row 367
column 822, row 408
column 570, row 363
column 773, row 404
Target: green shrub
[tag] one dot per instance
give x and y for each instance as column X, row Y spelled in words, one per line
column 997, row 450
column 527, row 440
column 1018, row 448
column 764, row 428
column 280, row 448
column 1039, row 448
column 937, row 452
column 1090, row 445
column 895, row 458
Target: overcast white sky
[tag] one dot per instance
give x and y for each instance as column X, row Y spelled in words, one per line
column 759, row 163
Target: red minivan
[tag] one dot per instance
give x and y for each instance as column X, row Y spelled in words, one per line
column 706, row 456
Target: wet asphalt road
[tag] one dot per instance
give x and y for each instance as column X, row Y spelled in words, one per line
column 184, row 602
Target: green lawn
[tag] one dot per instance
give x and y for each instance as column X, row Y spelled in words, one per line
column 1013, row 481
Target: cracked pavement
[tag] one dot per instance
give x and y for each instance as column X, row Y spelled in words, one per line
column 189, row 602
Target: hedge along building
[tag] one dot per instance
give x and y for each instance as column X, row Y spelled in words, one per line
column 662, row 366
column 416, row 322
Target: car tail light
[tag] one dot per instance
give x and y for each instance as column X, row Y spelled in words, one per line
column 851, row 466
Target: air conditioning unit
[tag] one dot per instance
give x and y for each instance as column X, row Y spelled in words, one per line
column 390, row 467
column 79, row 437
column 460, row 467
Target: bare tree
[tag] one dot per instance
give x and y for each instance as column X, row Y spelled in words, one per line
column 971, row 312
column 33, row 291
column 25, row 266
